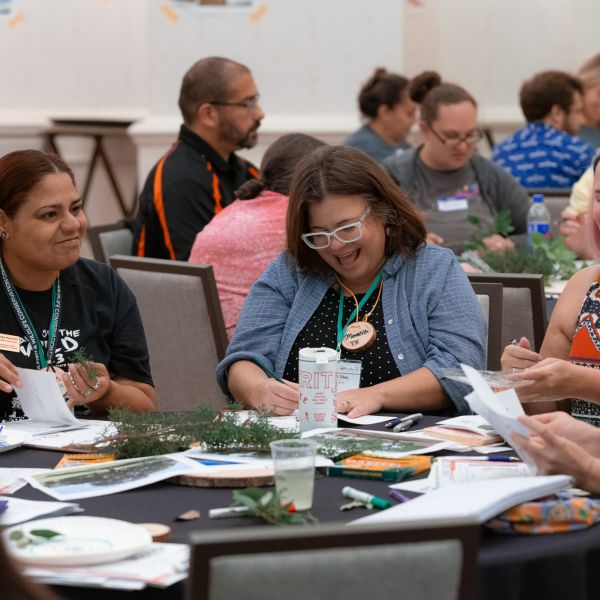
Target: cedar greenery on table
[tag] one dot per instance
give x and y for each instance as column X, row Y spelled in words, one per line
column 150, row 434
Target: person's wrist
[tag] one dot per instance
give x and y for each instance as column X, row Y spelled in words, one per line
column 257, row 394
column 588, row 476
column 107, row 390
column 577, row 384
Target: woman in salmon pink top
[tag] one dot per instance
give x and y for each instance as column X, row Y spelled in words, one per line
column 247, row 235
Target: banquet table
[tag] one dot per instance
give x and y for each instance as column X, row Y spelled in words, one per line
column 510, row 567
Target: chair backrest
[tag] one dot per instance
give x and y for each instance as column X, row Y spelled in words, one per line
column 335, row 562
column 523, row 305
column 108, row 240
column 184, row 328
column 490, row 299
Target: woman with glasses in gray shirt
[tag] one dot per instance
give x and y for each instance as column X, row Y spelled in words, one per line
column 444, row 177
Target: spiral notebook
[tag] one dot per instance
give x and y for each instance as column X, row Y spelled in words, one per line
column 475, row 501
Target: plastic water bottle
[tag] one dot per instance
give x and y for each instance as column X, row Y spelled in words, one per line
column 538, row 218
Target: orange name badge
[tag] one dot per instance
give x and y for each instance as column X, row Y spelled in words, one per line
column 10, row 343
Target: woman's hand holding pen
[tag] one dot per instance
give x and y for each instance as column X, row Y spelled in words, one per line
column 518, row 355
column 278, row 397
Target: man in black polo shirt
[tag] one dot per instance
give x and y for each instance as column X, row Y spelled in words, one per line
column 198, row 176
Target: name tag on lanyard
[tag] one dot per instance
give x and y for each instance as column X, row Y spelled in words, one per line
column 348, row 374
column 452, row 203
column 10, row 343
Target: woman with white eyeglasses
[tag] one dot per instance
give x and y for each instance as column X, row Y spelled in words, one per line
column 356, row 254
column 444, row 177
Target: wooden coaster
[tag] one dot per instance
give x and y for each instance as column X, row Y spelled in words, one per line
column 228, row 479
column 158, row 531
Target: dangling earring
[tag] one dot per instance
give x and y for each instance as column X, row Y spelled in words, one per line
column 3, row 235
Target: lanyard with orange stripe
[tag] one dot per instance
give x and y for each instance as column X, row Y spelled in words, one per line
column 159, row 202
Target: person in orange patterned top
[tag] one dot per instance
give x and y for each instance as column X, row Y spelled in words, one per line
column 568, row 365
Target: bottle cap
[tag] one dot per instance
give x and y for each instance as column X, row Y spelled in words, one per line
column 381, row 503
column 538, row 197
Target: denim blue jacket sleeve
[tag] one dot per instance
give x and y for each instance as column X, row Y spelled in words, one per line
column 278, row 306
column 432, row 317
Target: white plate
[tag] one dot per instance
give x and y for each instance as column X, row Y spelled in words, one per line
column 84, row 541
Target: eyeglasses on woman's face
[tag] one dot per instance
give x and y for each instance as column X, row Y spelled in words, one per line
column 352, row 232
column 452, row 139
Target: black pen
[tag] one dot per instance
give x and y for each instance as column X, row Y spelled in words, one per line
column 416, row 417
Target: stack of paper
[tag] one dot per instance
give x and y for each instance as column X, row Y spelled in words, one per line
column 451, row 469
column 477, row 501
column 470, row 430
column 160, row 566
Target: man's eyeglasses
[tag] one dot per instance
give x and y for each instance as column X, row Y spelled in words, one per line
column 345, row 234
column 453, row 139
column 249, row 104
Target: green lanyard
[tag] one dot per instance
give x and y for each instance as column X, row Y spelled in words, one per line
column 342, row 330
column 41, row 360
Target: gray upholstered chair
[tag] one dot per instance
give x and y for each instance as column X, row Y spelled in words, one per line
column 184, row 328
column 334, row 562
column 523, row 305
column 108, row 240
column 489, row 296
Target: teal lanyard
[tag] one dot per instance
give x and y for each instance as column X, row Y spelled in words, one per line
column 342, row 330
column 41, row 360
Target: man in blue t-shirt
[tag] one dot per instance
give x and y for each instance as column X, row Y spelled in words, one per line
column 547, row 153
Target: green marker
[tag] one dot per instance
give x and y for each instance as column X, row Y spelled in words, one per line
column 365, row 497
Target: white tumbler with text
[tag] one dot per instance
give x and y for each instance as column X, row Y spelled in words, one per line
column 317, row 377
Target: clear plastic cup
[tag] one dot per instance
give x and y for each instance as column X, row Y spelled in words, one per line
column 294, row 462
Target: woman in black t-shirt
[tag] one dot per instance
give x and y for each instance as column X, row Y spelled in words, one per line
column 53, row 303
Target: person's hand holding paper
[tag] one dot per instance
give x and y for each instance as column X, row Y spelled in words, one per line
column 555, row 454
column 502, row 410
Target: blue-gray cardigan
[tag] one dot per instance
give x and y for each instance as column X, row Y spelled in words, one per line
column 432, row 317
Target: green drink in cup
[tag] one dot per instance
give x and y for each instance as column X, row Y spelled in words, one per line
column 294, row 462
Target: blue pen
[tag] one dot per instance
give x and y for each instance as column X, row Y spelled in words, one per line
column 398, row 496
column 501, row 458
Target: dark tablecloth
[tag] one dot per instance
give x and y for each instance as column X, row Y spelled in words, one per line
column 511, row 567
